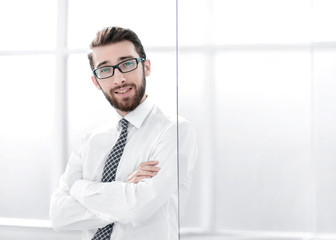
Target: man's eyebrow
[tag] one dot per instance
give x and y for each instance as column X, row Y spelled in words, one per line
column 125, row 57
column 120, row 59
column 102, row 63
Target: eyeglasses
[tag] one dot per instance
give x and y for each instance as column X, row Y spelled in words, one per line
column 124, row 67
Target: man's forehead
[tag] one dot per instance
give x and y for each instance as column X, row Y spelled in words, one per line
column 123, row 47
column 113, row 53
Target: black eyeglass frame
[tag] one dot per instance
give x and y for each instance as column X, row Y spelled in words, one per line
column 138, row 60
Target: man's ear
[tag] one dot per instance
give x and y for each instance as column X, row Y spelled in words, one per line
column 147, row 67
column 94, row 80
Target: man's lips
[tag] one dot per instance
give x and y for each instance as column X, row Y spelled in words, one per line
column 123, row 90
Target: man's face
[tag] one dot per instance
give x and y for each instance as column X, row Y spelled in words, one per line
column 125, row 91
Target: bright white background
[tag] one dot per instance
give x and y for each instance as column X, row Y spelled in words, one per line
column 257, row 78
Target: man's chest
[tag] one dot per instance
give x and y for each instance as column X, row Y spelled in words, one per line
column 139, row 148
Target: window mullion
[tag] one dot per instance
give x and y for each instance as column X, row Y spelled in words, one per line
column 61, row 118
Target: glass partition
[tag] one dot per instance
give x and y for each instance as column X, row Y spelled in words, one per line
column 260, row 96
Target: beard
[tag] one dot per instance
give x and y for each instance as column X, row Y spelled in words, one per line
column 130, row 103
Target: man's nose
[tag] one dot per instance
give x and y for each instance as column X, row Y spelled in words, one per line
column 118, row 77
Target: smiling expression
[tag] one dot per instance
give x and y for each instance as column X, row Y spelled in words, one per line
column 124, row 91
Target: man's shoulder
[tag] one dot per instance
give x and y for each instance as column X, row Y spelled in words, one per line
column 102, row 132
column 158, row 117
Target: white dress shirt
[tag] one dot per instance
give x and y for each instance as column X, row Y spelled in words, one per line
column 147, row 210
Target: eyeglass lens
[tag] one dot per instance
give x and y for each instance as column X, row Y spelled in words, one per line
column 125, row 66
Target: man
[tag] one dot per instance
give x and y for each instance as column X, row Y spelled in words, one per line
column 132, row 191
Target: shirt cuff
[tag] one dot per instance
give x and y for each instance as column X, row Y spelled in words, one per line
column 77, row 189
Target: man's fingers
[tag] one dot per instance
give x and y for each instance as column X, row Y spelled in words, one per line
column 139, row 175
column 149, row 163
column 149, row 168
column 144, row 173
column 152, row 163
column 146, row 169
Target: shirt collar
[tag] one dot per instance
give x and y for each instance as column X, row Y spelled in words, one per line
column 138, row 115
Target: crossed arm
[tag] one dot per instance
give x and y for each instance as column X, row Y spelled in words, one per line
column 80, row 204
column 145, row 170
column 75, row 216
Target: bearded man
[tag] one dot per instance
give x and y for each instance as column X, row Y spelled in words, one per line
column 123, row 181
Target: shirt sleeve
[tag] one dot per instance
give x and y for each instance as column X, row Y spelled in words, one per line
column 66, row 213
column 134, row 203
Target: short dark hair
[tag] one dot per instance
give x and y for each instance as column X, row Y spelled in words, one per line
column 113, row 35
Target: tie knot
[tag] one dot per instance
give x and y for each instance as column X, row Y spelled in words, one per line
column 123, row 123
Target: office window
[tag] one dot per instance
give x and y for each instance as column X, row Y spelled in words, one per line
column 28, row 25
column 27, row 107
column 255, row 77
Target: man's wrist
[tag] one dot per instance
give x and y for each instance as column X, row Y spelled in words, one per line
column 77, row 189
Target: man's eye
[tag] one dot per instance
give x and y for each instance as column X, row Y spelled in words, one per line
column 128, row 64
column 104, row 70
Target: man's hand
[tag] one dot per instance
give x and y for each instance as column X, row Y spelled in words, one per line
column 145, row 170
